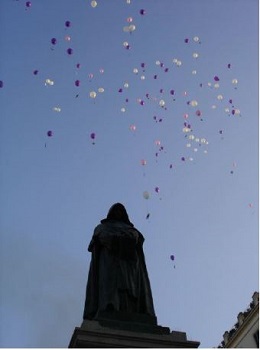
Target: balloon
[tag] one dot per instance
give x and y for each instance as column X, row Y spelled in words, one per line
column 101, row 70
column 69, row 51
column 77, row 82
column 92, row 94
column 93, row 4
column 49, row 133
column 220, row 97
column 172, row 92
column 35, row 72
column 49, row 82
column 186, row 40
column 178, row 63
column 142, row 102
column 129, row 19
column 146, row 195
column 198, row 113
column 67, row 24
column 193, row 103
column 196, row 39
column 120, row 90
column 67, row 38
column 101, row 90
column 234, row 81
column 135, row 70
column 157, row 63
column 229, row 65
column 132, row 27
column 123, row 110
column 157, row 142
column 183, row 159
column 91, row 76
column 142, row 12
column 78, row 65
column 186, row 116
column 216, row 78
column 57, row 109
column 1, row 84
column 195, row 55
column 142, row 77
column 194, row 72
column 157, row 189
column 93, row 136
column 132, row 127
column 28, row 4
column 54, row 41
column 216, row 86
column 172, row 257
column 161, row 103
column 126, row 85
column 143, row 162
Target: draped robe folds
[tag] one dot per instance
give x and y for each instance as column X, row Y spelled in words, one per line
column 118, row 278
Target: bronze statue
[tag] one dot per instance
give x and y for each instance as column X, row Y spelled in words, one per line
column 118, row 280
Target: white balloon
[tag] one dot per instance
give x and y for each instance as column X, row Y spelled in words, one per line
column 92, row 94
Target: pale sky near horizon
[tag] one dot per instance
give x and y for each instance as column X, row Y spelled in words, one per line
column 172, row 107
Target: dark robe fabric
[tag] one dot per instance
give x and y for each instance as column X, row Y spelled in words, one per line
column 118, row 278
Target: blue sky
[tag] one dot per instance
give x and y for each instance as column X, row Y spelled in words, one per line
column 55, row 190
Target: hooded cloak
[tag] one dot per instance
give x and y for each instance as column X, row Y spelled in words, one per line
column 118, row 278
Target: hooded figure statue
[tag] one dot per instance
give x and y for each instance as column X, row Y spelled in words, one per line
column 118, row 280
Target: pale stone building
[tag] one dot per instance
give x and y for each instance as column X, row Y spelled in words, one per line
column 245, row 333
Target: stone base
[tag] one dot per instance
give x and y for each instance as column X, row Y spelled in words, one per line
column 120, row 334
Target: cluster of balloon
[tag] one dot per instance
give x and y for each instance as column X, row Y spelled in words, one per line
column 161, row 96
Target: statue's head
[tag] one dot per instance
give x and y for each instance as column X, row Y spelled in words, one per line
column 118, row 212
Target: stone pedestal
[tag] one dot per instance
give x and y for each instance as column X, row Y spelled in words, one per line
column 119, row 333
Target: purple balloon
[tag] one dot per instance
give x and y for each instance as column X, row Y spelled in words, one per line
column 67, row 24
column 93, row 136
column 54, row 41
column 172, row 92
column 1, row 84
column 172, row 257
column 69, row 51
column 216, row 78
column 77, row 83
column 28, row 4
column 186, row 40
column 142, row 12
column 35, row 72
column 49, row 133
